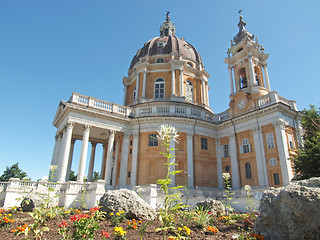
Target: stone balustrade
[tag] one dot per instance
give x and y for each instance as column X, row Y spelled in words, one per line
column 94, row 103
column 171, row 108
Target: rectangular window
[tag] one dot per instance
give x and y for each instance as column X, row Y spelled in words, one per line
column 276, row 179
column 153, row 140
column 130, row 150
column 226, row 150
column 245, row 147
column 204, row 143
column 290, row 140
column 270, row 140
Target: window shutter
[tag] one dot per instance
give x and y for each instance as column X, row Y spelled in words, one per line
column 249, row 145
column 241, row 149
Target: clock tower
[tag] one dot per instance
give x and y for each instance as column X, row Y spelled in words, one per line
column 247, row 71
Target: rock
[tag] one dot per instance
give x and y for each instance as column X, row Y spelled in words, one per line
column 215, row 206
column 31, row 202
column 27, row 205
column 129, row 201
column 290, row 212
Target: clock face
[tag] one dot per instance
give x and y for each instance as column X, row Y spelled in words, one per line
column 241, row 104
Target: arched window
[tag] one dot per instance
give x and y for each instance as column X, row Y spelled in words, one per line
column 248, row 171
column 243, row 78
column 189, row 91
column 135, row 93
column 159, row 88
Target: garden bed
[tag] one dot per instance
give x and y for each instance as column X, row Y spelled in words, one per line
column 235, row 228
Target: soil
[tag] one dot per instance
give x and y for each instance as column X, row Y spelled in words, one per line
column 20, row 218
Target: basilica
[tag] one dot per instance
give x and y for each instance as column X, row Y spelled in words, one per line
column 167, row 84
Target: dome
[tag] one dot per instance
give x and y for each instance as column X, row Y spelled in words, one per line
column 167, row 43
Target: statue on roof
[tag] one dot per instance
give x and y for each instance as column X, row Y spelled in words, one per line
column 168, row 18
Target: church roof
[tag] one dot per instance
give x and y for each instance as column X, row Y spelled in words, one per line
column 167, row 43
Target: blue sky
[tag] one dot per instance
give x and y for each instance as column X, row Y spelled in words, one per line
column 49, row 49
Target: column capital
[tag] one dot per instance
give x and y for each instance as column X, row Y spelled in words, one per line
column 70, row 124
column 112, row 132
column 256, row 129
column 126, row 134
column 190, row 134
column 135, row 134
column 87, row 128
column 279, row 124
column 232, row 138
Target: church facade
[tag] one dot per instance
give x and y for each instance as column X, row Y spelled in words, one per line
column 167, row 84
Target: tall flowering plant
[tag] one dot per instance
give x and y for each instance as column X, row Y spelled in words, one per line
column 172, row 202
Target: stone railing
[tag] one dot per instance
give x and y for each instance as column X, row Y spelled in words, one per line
column 170, row 109
column 100, row 104
column 274, row 97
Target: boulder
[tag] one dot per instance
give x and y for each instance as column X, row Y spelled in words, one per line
column 128, row 201
column 37, row 200
column 291, row 212
column 215, row 206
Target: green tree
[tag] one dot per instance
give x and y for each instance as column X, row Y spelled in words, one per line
column 12, row 172
column 307, row 160
column 96, row 176
column 73, row 176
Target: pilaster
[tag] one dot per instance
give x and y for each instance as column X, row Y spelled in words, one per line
column 190, row 160
column 234, row 163
column 260, row 156
column 219, row 164
column 286, row 170
column 134, row 159
column 124, row 160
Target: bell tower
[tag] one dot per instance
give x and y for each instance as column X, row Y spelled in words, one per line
column 247, row 70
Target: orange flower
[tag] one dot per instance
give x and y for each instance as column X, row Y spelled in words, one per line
column 140, row 221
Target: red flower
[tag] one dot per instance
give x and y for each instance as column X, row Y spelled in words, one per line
column 105, row 234
column 63, row 223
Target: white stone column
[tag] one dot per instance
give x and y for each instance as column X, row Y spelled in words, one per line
column 219, row 164
column 124, row 160
column 231, row 80
column 66, row 142
column 91, row 163
column 70, row 159
column 181, row 83
column 144, row 82
column 114, row 174
column 107, row 175
column 137, row 86
column 83, row 155
column 203, row 91
column 173, row 160
column 283, row 151
column 207, row 93
column 55, row 154
column 234, row 163
column 266, row 77
column 125, row 95
column 173, row 82
column 103, row 161
column 134, row 159
column 190, row 160
column 260, row 157
column 252, row 75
